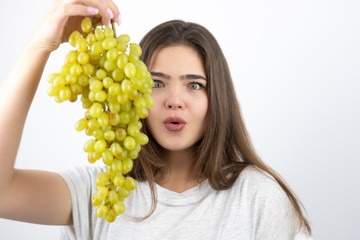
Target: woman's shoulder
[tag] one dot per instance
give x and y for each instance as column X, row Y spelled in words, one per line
column 257, row 183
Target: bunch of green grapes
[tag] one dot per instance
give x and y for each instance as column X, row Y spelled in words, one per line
column 115, row 89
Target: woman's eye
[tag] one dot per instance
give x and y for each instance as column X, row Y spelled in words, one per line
column 195, row 85
column 158, row 84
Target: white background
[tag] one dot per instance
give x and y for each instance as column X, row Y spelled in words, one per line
column 296, row 68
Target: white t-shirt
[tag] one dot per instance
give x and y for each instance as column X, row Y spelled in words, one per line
column 255, row 207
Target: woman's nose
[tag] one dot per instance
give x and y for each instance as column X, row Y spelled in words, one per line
column 175, row 99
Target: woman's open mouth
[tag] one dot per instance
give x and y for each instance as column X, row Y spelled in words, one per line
column 174, row 124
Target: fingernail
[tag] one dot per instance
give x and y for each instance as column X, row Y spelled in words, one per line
column 119, row 19
column 92, row 10
column 110, row 13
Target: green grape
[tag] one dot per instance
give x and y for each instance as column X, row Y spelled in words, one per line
column 102, row 192
column 83, row 58
column 70, row 58
column 90, row 38
column 114, row 107
column 132, row 130
column 64, row 70
column 124, row 117
column 141, row 138
column 81, row 124
column 133, row 58
column 115, row 88
column 130, row 183
column 113, row 196
column 98, row 134
column 53, row 91
column 116, row 165
column 124, row 38
column 109, row 43
column 123, row 192
column 100, row 145
column 73, row 38
column 107, row 82
column 122, row 60
column 129, row 142
column 96, row 85
column 93, row 124
column 95, row 110
column 130, row 70
column 81, row 45
column 99, row 34
column 135, row 49
column 120, row 134
column 126, row 106
column 116, row 149
column 89, row 145
column 103, row 119
column 117, row 74
column 70, row 79
column 95, row 200
column 59, row 82
column 127, row 165
column 111, row 216
column 133, row 154
column 109, row 65
column 109, row 135
column 96, row 48
column 102, row 211
column 126, row 86
column 122, row 98
column 100, row 74
column 107, row 156
column 149, row 101
column 140, row 102
column 86, row 25
column 114, row 118
column 93, row 157
column 65, row 93
column 83, row 79
column 76, row 88
column 119, row 180
column 134, row 120
column 133, row 94
column 108, row 32
column 142, row 112
column 102, row 179
column 100, row 96
column 112, row 54
column 119, row 207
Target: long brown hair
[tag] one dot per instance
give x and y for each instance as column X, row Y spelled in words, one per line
column 226, row 149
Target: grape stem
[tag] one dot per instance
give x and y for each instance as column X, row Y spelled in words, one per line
column 113, row 27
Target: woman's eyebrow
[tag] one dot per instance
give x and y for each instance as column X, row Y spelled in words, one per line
column 192, row 76
column 182, row 77
column 159, row 74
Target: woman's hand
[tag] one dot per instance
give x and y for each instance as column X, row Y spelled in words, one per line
column 64, row 16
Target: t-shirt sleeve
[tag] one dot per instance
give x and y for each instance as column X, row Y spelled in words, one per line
column 81, row 184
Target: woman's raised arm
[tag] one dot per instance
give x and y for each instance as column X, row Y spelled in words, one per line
column 29, row 195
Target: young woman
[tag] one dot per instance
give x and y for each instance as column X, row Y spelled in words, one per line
column 198, row 178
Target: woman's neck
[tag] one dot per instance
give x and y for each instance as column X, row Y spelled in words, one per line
column 178, row 177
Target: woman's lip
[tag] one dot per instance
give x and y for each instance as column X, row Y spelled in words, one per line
column 174, row 124
column 174, row 127
column 178, row 120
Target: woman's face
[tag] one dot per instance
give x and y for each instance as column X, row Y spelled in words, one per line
column 177, row 121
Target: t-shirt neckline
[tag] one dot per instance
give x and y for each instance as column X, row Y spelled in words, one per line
column 192, row 195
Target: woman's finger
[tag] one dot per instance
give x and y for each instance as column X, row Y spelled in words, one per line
column 107, row 9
